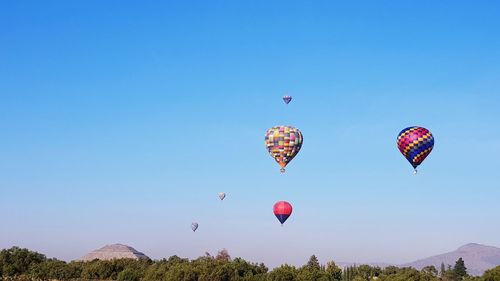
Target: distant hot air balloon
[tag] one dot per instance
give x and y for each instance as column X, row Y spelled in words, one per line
column 287, row 99
column 194, row 226
column 415, row 143
column 282, row 210
column 283, row 143
column 222, row 195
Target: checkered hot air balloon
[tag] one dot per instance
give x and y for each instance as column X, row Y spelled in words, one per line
column 415, row 143
column 287, row 99
column 283, row 143
column 282, row 210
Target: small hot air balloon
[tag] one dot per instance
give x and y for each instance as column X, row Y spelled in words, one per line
column 194, row 226
column 282, row 210
column 283, row 143
column 287, row 99
column 415, row 143
column 222, row 195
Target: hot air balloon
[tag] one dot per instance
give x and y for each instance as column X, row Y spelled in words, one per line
column 287, row 99
column 194, row 226
column 222, row 195
column 282, row 210
column 415, row 143
column 283, row 143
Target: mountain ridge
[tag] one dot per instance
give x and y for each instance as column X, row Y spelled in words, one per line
column 477, row 257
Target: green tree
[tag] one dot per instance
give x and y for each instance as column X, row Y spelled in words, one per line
column 283, row 273
column 313, row 263
column 367, row 272
column 333, row 271
column 312, row 271
column 307, row 274
column 222, row 272
column 390, row 270
column 129, row 274
column 176, row 260
column 349, row 273
column 492, row 274
column 407, row 274
column 50, row 269
column 182, row 272
column 442, row 271
column 460, row 269
column 17, row 261
column 430, row 270
column 18, row 264
column 450, row 274
column 156, row 271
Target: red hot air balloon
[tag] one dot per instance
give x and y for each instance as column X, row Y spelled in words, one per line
column 282, row 210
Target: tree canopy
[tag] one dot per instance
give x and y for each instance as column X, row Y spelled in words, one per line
column 18, row 264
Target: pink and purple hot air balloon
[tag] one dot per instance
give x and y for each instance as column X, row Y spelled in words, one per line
column 282, row 210
column 415, row 143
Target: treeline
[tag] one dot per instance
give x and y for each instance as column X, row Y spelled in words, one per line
column 18, row 264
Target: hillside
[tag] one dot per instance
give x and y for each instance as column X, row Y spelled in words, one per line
column 477, row 257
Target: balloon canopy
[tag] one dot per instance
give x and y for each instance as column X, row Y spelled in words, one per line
column 287, row 99
column 222, row 195
column 282, row 210
column 194, row 226
column 283, row 144
column 415, row 143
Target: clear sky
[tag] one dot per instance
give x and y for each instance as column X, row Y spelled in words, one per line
column 121, row 121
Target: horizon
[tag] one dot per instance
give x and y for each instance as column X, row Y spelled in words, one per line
column 339, row 263
column 122, row 123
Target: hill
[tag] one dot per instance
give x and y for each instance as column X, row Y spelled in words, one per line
column 478, row 258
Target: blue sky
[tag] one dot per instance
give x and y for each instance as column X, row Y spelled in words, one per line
column 120, row 122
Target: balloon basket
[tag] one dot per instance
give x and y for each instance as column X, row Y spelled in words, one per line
column 282, row 170
column 415, row 171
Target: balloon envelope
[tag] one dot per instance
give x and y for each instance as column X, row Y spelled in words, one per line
column 287, row 99
column 415, row 143
column 283, row 144
column 282, row 210
column 222, row 195
column 194, row 226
